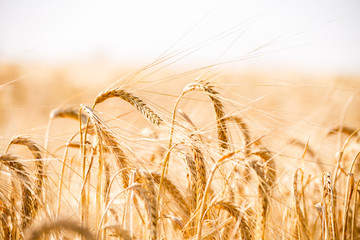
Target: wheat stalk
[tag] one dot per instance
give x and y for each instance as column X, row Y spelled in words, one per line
column 300, row 215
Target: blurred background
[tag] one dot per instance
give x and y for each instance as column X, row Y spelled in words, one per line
column 56, row 53
column 309, row 35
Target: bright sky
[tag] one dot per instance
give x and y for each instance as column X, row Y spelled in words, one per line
column 309, row 35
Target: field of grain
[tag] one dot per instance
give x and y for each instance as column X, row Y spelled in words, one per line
column 94, row 151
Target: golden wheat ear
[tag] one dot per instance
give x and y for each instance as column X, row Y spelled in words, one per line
column 25, row 183
column 218, row 108
column 144, row 109
column 40, row 167
column 328, row 202
column 67, row 112
column 57, row 226
column 173, row 190
column 147, row 195
column 235, row 213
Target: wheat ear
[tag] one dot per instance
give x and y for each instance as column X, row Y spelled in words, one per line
column 110, row 142
column 244, row 130
column 191, row 176
column 329, row 208
column 146, row 111
column 57, row 225
column 40, row 168
column 237, row 215
column 27, row 198
column 151, row 208
column 200, row 174
column 218, row 108
column 67, row 113
column 174, row 192
column 269, row 164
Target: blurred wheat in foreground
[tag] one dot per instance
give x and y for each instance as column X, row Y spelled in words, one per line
column 180, row 180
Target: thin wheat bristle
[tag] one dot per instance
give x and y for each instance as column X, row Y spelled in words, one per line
column 146, row 111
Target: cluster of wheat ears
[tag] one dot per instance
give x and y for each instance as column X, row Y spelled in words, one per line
column 221, row 191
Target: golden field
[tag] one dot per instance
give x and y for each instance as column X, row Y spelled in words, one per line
column 162, row 153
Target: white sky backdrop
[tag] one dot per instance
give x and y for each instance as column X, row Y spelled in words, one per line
column 312, row 35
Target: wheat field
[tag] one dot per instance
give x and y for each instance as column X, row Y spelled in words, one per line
column 176, row 154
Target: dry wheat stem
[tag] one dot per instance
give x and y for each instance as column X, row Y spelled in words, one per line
column 221, row 161
column 109, row 205
column 302, row 220
column 218, row 108
column 349, row 193
column 341, row 155
column 354, row 219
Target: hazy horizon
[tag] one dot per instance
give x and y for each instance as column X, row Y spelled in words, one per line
column 311, row 36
